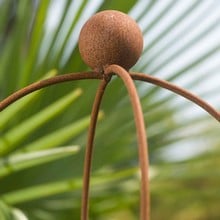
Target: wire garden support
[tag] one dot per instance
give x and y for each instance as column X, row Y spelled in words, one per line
column 107, row 59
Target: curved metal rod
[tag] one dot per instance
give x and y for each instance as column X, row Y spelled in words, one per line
column 178, row 90
column 47, row 82
column 89, row 149
column 110, row 70
column 141, row 135
column 94, row 75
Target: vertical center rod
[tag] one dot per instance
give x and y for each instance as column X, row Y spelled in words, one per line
column 89, row 149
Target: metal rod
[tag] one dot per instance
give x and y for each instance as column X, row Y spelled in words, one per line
column 141, row 136
column 178, row 90
column 89, row 149
column 47, row 82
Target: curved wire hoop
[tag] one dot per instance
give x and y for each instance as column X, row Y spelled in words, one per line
column 138, row 117
column 95, row 75
column 178, row 90
column 45, row 83
column 141, row 136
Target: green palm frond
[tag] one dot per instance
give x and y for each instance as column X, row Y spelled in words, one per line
column 39, row 39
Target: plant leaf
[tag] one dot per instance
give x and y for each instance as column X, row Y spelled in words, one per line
column 60, row 136
column 16, row 135
column 49, row 189
column 17, row 162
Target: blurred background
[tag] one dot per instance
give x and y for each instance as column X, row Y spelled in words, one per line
column 43, row 135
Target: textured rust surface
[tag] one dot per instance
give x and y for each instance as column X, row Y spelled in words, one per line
column 110, row 37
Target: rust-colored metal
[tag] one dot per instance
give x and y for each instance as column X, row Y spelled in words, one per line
column 178, row 90
column 110, row 37
column 89, row 148
column 47, row 82
column 95, row 75
column 141, row 136
column 110, row 43
column 113, row 69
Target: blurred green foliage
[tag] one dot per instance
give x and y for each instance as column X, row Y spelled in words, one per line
column 38, row 39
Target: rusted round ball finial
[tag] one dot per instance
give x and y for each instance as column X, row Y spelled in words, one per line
column 110, row 37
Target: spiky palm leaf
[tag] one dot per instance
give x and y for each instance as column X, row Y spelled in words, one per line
column 181, row 45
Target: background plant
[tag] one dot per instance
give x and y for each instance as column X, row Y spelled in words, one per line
column 37, row 40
